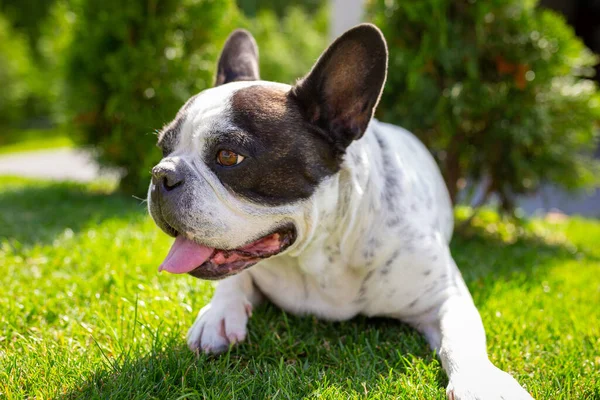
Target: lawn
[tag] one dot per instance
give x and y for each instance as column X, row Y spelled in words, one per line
column 84, row 313
column 33, row 139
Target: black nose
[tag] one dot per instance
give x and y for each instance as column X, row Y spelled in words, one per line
column 167, row 177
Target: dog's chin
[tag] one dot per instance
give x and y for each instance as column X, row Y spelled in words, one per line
column 200, row 261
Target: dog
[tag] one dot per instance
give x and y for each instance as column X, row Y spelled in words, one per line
column 338, row 214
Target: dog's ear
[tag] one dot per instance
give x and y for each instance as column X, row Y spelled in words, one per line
column 239, row 59
column 341, row 91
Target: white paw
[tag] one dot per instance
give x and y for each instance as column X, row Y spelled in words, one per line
column 486, row 383
column 219, row 325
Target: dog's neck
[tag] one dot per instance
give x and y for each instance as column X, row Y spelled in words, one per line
column 343, row 212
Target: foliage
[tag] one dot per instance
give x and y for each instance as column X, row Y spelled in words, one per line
column 84, row 314
column 495, row 88
column 23, row 140
column 254, row 7
column 286, row 55
column 16, row 69
column 132, row 65
column 27, row 16
column 56, row 35
column 30, row 19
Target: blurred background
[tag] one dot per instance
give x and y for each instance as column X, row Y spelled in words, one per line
column 503, row 92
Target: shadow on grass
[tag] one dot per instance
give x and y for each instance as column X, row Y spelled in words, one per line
column 37, row 213
column 285, row 357
column 485, row 259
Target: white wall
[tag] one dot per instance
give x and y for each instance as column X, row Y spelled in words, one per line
column 344, row 15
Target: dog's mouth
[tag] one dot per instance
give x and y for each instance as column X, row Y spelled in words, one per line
column 187, row 256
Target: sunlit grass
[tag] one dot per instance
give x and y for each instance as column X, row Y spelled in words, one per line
column 32, row 140
column 84, row 313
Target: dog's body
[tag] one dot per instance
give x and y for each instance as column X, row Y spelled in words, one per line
column 346, row 226
column 363, row 254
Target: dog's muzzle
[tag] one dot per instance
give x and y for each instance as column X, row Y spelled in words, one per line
column 167, row 190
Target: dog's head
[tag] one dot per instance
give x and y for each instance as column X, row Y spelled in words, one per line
column 243, row 160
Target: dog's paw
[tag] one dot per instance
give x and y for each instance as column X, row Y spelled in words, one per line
column 218, row 326
column 486, row 383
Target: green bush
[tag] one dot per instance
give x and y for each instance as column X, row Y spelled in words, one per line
column 131, row 65
column 496, row 89
column 254, row 7
column 30, row 19
column 16, row 69
column 53, row 44
column 27, row 16
column 285, row 53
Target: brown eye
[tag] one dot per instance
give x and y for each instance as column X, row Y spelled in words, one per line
column 229, row 158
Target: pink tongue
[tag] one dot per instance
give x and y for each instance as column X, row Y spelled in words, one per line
column 185, row 256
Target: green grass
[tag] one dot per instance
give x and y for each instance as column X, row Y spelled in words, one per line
column 33, row 139
column 84, row 313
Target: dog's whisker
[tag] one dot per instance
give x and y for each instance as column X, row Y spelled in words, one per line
column 142, row 201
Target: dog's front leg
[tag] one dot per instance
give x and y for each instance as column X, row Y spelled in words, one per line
column 222, row 322
column 455, row 330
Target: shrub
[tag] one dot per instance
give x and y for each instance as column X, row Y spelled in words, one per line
column 289, row 45
column 16, row 69
column 497, row 89
column 53, row 43
column 27, row 16
column 30, row 19
column 280, row 8
column 131, row 65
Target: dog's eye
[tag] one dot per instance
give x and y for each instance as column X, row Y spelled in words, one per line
column 229, row 158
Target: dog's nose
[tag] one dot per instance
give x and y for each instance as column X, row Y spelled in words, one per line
column 168, row 178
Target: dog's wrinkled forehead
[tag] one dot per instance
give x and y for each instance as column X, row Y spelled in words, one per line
column 284, row 160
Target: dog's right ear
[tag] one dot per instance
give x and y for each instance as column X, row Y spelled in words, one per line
column 239, row 59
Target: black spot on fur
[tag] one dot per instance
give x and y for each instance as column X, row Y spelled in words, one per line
column 408, row 247
column 392, row 187
column 363, row 288
column 369, row 251
column 305, row 286
column 169, row 135
column 431, row 288
column 388, row 264
column 393, row 222
column 374, row 243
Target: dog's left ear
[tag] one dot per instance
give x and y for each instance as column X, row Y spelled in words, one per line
column 239, row 59
column 341, row 91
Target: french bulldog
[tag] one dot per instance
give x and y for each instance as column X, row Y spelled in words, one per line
column 298, row 195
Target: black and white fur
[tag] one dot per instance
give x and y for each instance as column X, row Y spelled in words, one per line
column 371, row 212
